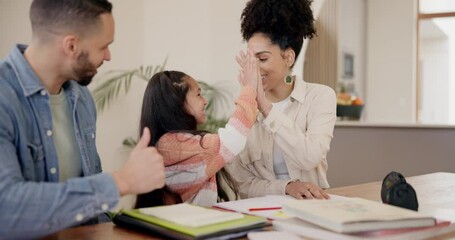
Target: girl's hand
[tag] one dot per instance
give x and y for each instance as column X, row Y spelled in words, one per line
column 241, row 60
column 250, row 71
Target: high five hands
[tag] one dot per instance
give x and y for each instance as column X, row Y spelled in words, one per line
column 249, row 71
column 250, row 61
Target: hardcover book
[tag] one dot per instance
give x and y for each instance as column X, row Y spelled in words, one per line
column 348, row 215
column 306, row 229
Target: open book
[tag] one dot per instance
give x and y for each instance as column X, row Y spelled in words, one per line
column 269, row 206
column 355, row 215
column 190, row 215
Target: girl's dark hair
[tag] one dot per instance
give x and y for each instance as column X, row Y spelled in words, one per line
column 163, row 111
column 163, row 107
column 285, row 22
column 224, row 176
column 157, row 198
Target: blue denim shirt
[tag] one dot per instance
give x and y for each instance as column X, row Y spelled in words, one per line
column 33, row 202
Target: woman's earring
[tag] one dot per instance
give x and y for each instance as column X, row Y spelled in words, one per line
column 288, row 79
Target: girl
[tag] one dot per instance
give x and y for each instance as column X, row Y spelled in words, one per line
column 172, row 107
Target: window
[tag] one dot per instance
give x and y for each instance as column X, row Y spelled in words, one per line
column 436, row 61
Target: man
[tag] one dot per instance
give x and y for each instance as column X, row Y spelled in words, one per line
column 50, row 171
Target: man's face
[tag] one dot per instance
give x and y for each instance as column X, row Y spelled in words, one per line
column 84, row 69
column 95, row 50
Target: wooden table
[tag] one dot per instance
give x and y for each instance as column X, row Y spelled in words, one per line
column 436, row 190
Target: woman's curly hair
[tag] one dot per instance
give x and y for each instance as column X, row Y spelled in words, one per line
column 285, row 22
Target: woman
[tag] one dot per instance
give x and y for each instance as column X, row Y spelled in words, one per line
column 287, row 147
column 172, row 108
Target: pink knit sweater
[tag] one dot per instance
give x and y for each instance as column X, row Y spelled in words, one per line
column 192, row 161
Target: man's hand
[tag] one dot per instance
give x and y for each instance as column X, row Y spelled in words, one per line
column 307, row 190
column 143, row 171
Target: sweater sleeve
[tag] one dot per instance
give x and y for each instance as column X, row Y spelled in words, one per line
column 192, row 160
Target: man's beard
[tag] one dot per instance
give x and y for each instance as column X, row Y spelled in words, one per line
column 84, row 70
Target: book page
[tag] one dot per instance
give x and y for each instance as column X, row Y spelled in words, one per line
column 190, row 215
column 269, row 203
column 439, row 213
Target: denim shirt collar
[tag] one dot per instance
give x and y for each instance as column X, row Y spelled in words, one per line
column 28, row 80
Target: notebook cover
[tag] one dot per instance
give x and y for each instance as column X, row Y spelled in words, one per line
column 236, row 228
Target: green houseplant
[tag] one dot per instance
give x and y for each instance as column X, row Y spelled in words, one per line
column 117, row 82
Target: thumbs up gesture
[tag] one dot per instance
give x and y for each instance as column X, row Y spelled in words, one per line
column 143, row 171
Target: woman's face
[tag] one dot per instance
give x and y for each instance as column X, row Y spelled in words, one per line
column 273, row 64
column 195, row 103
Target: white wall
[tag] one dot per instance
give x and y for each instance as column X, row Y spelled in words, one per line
column 14, row 24
column 201, row 38
column 352, row 40
column 411, row 150
column 391, row 61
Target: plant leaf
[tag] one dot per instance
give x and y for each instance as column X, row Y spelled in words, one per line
column 129, row 142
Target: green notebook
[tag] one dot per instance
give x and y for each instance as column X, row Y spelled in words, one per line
column 134, row 219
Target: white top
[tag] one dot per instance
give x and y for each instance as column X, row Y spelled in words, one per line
column 279, row 165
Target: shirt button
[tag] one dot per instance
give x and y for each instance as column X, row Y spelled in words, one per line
column 104, row 207
column 49, row 133
column 93, row 136
column 43, row 92
column 79, row 217
column 53, row 170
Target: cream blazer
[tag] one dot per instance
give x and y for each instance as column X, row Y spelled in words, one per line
column 303, row 131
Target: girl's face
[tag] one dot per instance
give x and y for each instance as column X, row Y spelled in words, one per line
column 274, row 64
column 195, row 103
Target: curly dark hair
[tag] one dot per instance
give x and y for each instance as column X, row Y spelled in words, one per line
column 285, row 22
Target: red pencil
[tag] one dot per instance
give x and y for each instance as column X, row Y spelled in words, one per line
column 264, row 209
